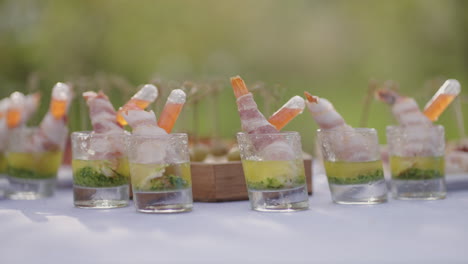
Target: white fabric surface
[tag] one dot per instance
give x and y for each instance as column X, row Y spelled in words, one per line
column 53, row 231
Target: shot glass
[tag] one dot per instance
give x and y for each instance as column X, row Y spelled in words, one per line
column 3, row 173
column 160, row 173
column 3, row 165
column 32, row 171
column 417, row 162
column 101, row 175
column 274, row 171
column 353, row 166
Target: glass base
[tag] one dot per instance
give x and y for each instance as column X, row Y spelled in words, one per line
column 289, row 200
column 370, row 193
column 163, row 202
column 419, row 190
column 100, row 198
column 29, row 189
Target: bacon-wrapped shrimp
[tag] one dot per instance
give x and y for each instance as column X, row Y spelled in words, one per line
column 144, row 123
column 54, row 125
column 140, row 100
column 102, row 113
column 407, row 113
column 325, row 115
column 100, row 152
column 103, row 120
column 149, row 147
column 404, row 109
column 253, row 122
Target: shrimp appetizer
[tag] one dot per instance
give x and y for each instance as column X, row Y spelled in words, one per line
column 351, row 145
column 99, row 158
column 408, row 115
column 253, row 122
column 36, row 153
column 53, row 127
column 351, row 155
column 416, row 146
column 154, row 164
column 276, row 163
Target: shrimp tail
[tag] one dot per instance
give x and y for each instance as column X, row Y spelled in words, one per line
column 239, row 87
column 310, row 98
column 387, row 96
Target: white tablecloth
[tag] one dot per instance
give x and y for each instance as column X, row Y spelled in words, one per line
column 53, row 231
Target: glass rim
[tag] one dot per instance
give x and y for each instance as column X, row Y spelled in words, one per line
column 359, row 129
column 160, row 136
column 89, row 132
column 280, row 133
column 400, row 127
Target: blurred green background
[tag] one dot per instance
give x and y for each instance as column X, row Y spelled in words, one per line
column 329, row 48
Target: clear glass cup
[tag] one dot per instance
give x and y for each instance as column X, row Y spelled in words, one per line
column 32, row 173
column 417, row 162
column 274, row 171
column 101, row 175
column 352, row 162
column 3, row 173
column 160, row 173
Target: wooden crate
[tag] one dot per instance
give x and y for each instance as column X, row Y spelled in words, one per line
column 218, row 182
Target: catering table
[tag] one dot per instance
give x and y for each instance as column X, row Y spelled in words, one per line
column 53, row 231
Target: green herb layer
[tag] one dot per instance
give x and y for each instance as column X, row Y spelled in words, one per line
column 29, row 174
column 360, row 179
column 89, row 177
column 275, row 184
column 168, row 182
column 418, row 174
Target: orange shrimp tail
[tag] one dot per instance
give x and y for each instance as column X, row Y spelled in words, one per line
column 283, row 117
column 169, row 116
column 310, row 98
column 13, row 117
column 437, row 107
column 239, row 87
column 58, row 108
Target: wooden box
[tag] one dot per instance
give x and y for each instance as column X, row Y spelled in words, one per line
column 218, row 182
